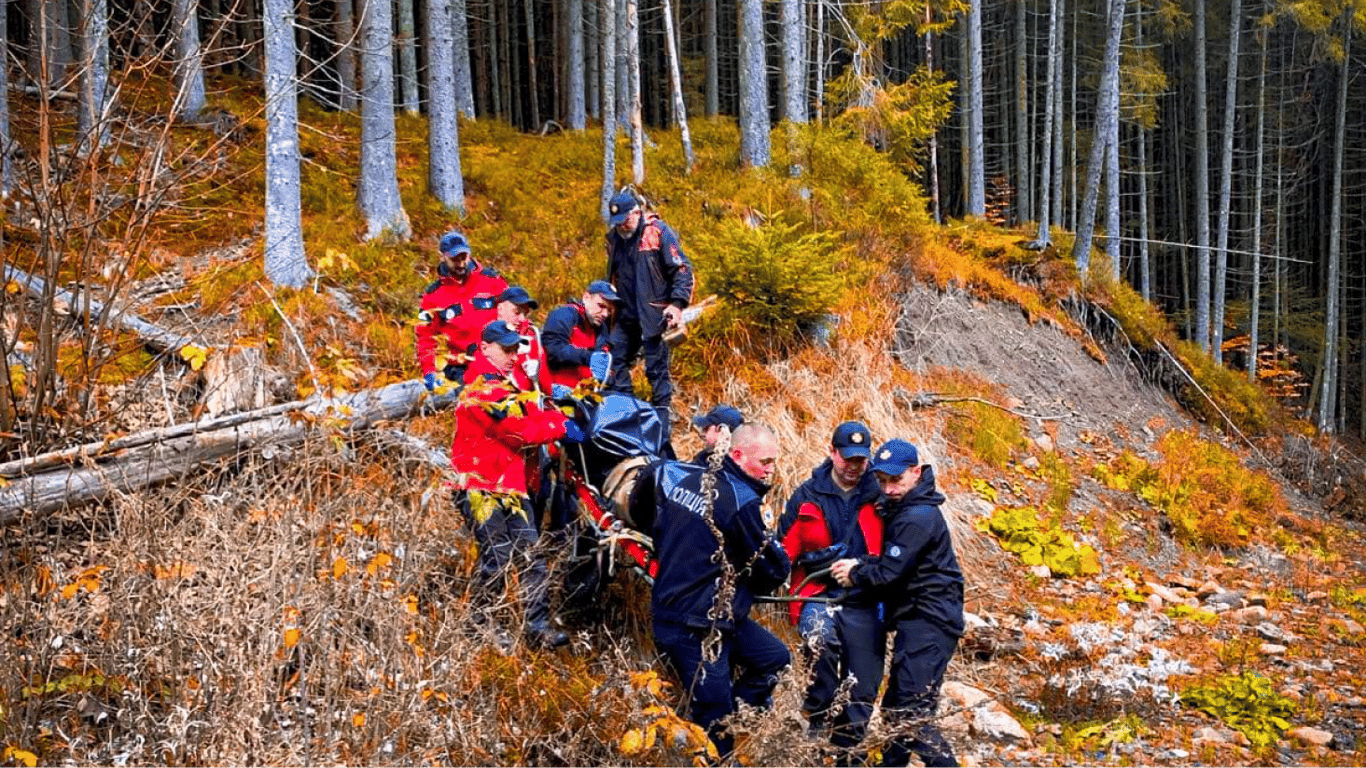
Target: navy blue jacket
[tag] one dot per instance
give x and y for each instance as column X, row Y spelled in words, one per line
column 685, row 590
column 569, row 338
column 650, row 271
column 917, row 574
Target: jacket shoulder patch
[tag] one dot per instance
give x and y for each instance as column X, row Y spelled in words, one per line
column 488, row 272
column 650, row 238
column 432, row 288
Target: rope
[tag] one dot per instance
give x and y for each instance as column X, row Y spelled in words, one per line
column 721, row 609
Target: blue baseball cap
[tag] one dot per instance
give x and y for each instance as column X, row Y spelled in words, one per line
column 620, row 207
column 605, row 290
column 455, row 244
column 852, row 439
column 518, row 295
column 895, row 457
column 721, row 414
column 498, row 332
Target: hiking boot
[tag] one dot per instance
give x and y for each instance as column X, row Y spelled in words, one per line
column 541, row 635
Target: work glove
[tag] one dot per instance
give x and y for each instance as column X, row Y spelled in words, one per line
column 560, row 392
column 573, row 433
column 598, row 363
column 429, row 381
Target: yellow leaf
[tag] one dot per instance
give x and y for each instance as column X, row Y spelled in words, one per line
column 380, row 560
column 410, row 604
column 70, row 590
column 11, row 287
column 292, row 636
column 194, row 355
column 358, row 719
column 22, row 755
column 339, row 568
column 631, row 742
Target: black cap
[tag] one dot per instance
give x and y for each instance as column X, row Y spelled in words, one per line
column 498, row 332
column 605, row 290
column 721, row 414
column 517, row 295
column 852, row 439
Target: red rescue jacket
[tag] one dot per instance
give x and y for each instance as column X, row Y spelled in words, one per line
column 454, row 312
column 808, row 527
column 492, row 429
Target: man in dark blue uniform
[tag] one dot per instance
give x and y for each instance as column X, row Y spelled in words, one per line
column 710, row 423
column 700, row 608
column 655, row 281
column 918, row 576
column 833, row 515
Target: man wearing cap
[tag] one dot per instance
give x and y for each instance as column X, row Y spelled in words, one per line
column 531, row 373
column 918, row 577
column 692, row 610
column 655, row 279
column 493, row 428
column 710, row 423
column 831, row 515
column 577, row 336
column 453, row 310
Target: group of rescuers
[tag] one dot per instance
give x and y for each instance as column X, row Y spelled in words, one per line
column 862, row 543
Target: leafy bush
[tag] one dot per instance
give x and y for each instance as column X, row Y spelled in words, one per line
column 774, row 278
column 1018, row 530
column 992, row 435
column 1246, row 702
column 1208, row 496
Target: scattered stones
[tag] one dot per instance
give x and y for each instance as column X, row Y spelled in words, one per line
column 1271, row 633
column 1208, row 735
column 1272, row 649
column 1041, row 571
column 1208, row 589
column 1351, row 627
column 1256, row 598
column 1184, row 582
column 1044, row 442
column 1240, row 739
column 1317, row 596
column 1154, row 602
column 986, row 717
column 1031, row 463
column 1252, row 614
column 1166, row 594
column 1228, row 599
column 1314, row 737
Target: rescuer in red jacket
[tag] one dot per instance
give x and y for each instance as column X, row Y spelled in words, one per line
column 496, row 423
column 577, row 333
column 531, row 372
column 833, row 515
column 453, row 310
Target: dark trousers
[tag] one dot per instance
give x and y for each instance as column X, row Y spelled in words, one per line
column 507, row 539
column 849, row 641
column 920, row 656
column 627, row 348
column 746, row 670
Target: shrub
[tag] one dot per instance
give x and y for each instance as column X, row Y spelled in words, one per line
column 991, row 434
column 1246, row 702
column 1018, row 530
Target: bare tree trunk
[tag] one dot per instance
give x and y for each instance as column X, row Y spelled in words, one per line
column 1327, row 421
column 407, row 57
column 575, row 68
column 1202, row 254
column 1052, row 99
column 633, row 100
column 977, row 195
column 713, row 58
column 92, row 117
column 792, row 18
column 609, row 100
column 345, row 30
column 6, row 149
column 754, row 147
column 443, row 135
column 460, row 44
column 1024, row 179
column 933, row 162
column 1254, row 324
column 534, row 115
column 592, row 67
column 378, row 184
column 190, row 98
column 285, row 263
column 1220, row 287
column 1107, row 110
column 680, row 111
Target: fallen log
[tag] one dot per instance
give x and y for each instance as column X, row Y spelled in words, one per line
column 95, row 471
column 152, row 335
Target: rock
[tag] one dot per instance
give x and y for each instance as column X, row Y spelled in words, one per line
column 972, row 621
column 1031, row 463
column 1351, row 627
column 1166, row 594
column 1271, row 649
column 1041, row 571
column 1207, row 589
column 1272, row 633
column 957, row 695
column 1230, row 598
column 1044, row 442
column 1256, row 598
column 1034, row 629
column 1314, row 737
column 1154, row 602
column 993, row 721
column 1184, row 581
column 1317, row 596
column 1241, row 739
column 1250, row 615
column 1208, row 735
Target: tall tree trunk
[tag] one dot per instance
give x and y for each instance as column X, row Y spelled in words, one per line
column 977, row 190
column 754, row 148
column 190, row 97
column 443, row 135
column 623, row 68
column 1328, row 398
column 345, row 32
column 460, row 48
column 680, row 110
column 378, row 184
column 1258, row 240
column 792, row 19
column 592, row 66
column 608, row 56
column 1107, row 110
column 533, row 86
column 633, row 101
column 407, row 57
column 285, row 264
column 1024, row 179
column 1201, row 170
column 6, row 150
column 1220, row 287
column 92, row 120
column 577, row 112
column 1051, row 104
column 1055, row 115
column 933, row 161
column 1112, row 226
column 713, row 58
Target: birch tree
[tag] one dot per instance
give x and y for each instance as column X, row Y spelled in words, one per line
column 284, row 243
column 1107, row 110
column 609, row 99
column 443, row 135
column 1220, row 287
column 378, row 185
column 680, row 110
column 754, row 147
column 634, row 97
column 189, row 64
column 792, row 20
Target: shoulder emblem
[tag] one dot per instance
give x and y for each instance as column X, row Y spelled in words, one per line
column 435, row 284
column 488, row 272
